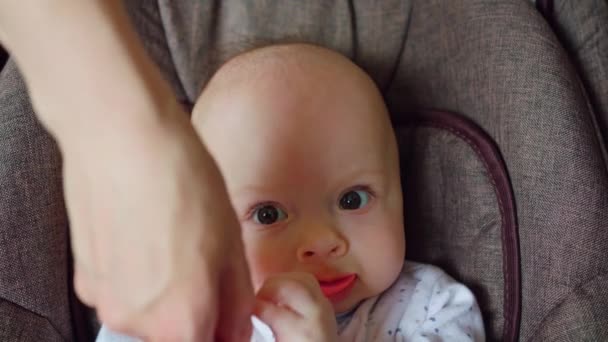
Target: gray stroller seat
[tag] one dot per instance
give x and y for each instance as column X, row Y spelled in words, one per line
column 502, row 157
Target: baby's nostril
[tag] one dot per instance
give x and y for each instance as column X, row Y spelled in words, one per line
column 309, row 253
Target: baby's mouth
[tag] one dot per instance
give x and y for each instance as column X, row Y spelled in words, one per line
column 336, row 287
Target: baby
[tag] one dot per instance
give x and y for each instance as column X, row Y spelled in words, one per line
column 305, row 145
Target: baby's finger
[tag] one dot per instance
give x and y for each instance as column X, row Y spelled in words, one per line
column 309, row 281
column 292, row 292
column 281, row 320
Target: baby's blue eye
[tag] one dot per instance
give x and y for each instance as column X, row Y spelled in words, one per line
column 268, row 214
column 354, row 199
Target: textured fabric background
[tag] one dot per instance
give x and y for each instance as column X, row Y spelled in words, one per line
column 452, row 215
column 20, row 324
column 582, row 27
column 33, row 224
column 499, row 63
column 203, row 35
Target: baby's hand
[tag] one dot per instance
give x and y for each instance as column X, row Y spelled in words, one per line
column 294, row 307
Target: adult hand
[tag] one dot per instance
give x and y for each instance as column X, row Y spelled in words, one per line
column 157, row 246
column 294, row 307
column 156, row 243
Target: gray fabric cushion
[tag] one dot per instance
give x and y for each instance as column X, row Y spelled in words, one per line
column 458, row 205
column 203, row 35
column 582, row 27
column 33, row 223
column 579, row 317
column 19, row 324
column 146, row 19
column 499, row 63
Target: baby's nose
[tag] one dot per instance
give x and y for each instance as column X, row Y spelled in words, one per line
column 327, row 245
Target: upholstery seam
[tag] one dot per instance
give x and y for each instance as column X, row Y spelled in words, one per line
column 472, row 145
column 399, row 57
column 511, row 257
column 33, row 313
column 561, row 302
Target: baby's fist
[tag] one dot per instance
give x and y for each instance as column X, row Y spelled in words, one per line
column 293, row 305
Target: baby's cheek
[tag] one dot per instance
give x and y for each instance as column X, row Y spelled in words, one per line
column 394, row 256
column 382, row 255
column 265, row 260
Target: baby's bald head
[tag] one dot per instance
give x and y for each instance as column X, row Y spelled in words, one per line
column 283, row 64
column 288, row 98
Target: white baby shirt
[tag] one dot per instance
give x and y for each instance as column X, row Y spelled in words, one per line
column 424, row 304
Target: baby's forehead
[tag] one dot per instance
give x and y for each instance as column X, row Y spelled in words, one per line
column 288, row 63
column 292, row 95
column 296, row 75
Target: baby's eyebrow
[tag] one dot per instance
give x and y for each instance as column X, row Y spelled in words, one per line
column 377, row 178
column 372, row 173
column 251, row 190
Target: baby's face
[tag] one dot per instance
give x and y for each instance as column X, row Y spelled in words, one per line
column 311, row 168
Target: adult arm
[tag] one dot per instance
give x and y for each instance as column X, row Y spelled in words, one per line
column 149, row 215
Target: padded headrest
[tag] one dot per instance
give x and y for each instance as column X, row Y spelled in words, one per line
column 460, row 212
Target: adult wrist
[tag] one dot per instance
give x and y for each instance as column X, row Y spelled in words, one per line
column 89, row 77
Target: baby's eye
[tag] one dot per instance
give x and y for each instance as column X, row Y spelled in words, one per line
column 268, row 214
column 354, row 199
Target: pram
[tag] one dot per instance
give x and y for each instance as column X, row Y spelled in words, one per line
column 501, row 112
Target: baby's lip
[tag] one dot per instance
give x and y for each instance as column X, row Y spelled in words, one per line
column 332, row 286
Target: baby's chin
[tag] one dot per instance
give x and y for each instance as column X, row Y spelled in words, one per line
column 362, row 291
column 341, row 308
column 357, row 296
